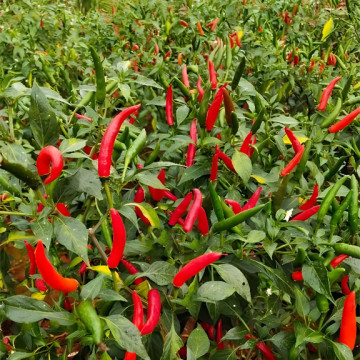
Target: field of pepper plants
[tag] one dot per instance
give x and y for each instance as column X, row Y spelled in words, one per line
column 179, row 179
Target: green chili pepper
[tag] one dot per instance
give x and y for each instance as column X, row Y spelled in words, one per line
column 354, row 206
column 300, row 257
column 315, row 256
column 219, row 56
column 105, row 230
column 85, row 100
column 99, row 74
column 280, row 194
column 353, row 101
column 347, row 87
column 228, row 213
column 163, row 80
column 258, row 150
column 325, row 204
column 234, row 123
column 91, row 320
column 347, row 249
column 333, row 115
column 339, row 212
column 193, row 68
column 355, row 148
column 301, row 166
column 322, row 303
column 216, row 203
column 336, row 274
column 133, row 150
column 11, row 189
column 195, row 42
column 154, row 154
column 212, row 55
column 329, row 256
column 237, row 219
column 228, row 53
column 182, row 87
column 110, row 87
column 340, row 63
column 255, row 127
column 204, row 106
column 334, row 170
column 238, row 73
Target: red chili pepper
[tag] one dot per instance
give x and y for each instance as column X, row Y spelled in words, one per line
column 348, row 322
column 293, row 162
column 236, row 207
column 88, row 149
column 50, row 275
column 83, row 268
column 157, row 194
column 345, row 121
column 180, row 59
column 289, row 57
column 139, row 198
column 212, row 24
column 200, row 29
column 63, row 210
column 40, row 285
column 344, row 285
column 338, row 260
column 297, row 276
column 192, row 146
column 169, row 106
column 180, row 209
column 130, row 356
column 185, row 77
column 262, row 347
column 138, row 317
column 132, row 270
column 50, row 155
column 67, row 304
column 200, row 89
column 212, row 74
column 253, row 200
column 311, row 202
column 31, row 255
column 296, row 60
column 194, row 267
column 157, row 49
column 203, row 224
column 193, row 211
column 227, row 161
column 332, row 60
column 232, row 43
column 135, row 47
column 321, row 68
column 214, row 109
column 153, row 312
column 41, row 23
column 167, row 54
column 108, row 140
column 252, row 147
column 219, row 335
column 306, row 214
column 311, row 67
column 311, row 347
column 184, row 23
column 246, row 143
column 119, row 239
column 214, row 167
column 326, row 93
column 83, row 117
column 293, row 139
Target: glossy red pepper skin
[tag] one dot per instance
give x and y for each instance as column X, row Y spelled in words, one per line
column 227, row 161
column 119, row 239
column 253, row 200
column 236, row 207
column 252, row 148
column 297, row 276
column 214, row 109
column 311, row 67
column 344, row 285
column 193, row 211
column 83, row 268
column 88, row 149
column 132, row 270
column 153, row 312
column 348, row 322
column 306, row 214
column 246, row 143
column 203, row 224
column 50, row 275
column 184, row 23
column 214, row 167
column 139, row 198
column 311, row 202
column 194, row 267
column 219, row 335
column 31, row 255
column 185, row 77
column 212, row 75
column 262, row 347
column 108, row 140
column 130, row 356
column 212, row 24
column 67, row 305
column 63, row 210
column 40, row 285
column 158, row 194
column 180, row 209
column 326, row 94
column 293, row 162
column 50, row 160
column 338, row 260
column 293, row 139
column 200, row 89
column 138, row 317
column 347, row 120
column 192, row 146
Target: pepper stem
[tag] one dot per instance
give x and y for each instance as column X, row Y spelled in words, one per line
column 108, row 195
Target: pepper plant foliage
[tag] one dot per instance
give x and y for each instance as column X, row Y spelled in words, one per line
column 273, row 293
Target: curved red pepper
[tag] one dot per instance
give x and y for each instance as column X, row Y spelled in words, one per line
column 194, row 267
column 132, row 270
column 153, row 312
column 246, row 143
column 347, row 120
column 212, row 75
column 185, row 77
column 219, row 335
column 203, row 224
column 158, row 194
column 344, row 285
column 348, row 322
column 40, row 285
column 293, row 162
column 227, row 161
column 293, row 139
column 184, row 23
column 297, row 276
column 180, row 209
column 214, row 109
column 31, row 255
column 83, row 268
column 338, row 260
column 326, row 94
column 138, row 317
column 306, row 214
column 50, row 155
column 88, row 149
column 139, row 198
column 236, row 207
column 200, row 89
column 192, row 146
column 253, row 200
column 311, row 202
column 262, row 347
column 119, row 239
column 108, row 140
column 214, row 167
column 193, row 211
column 50, row 275
column 63, row 210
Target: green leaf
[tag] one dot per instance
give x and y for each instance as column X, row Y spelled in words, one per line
column 43, row 230
column 302, row 303
column 215, row 291
column 91, row 289
column 181, row 114
column 142, row 80
column 242, row 165
column 43, row 122
column 315, row 274
column 160, row 272
column 198, row 343
column 194, row 172
column 71, row 145
column 342, row 351
column 172, row 345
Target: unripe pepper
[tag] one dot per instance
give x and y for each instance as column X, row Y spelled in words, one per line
column 212, row 75
column 311, row 202
column 326, row 94
column 50, row 275
column 108, row 140
column 194, row 267
column 348, row 322
column 119, row 239
column 50, row 155
column 153, row 312
column 169, row 106
column 31, row 255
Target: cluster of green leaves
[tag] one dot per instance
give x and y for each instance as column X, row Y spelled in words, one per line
column 47, row 75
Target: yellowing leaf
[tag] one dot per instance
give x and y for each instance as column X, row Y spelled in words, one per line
column 327, row 29
column 240, row 34
column 143, row 288
column 259, row 179
column 301, row 200
column 288, row 142
column 38, row 296
column 356, row 86
column 101, row 269
column 148, row 212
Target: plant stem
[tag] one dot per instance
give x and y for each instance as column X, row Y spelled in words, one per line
column 108, row 195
